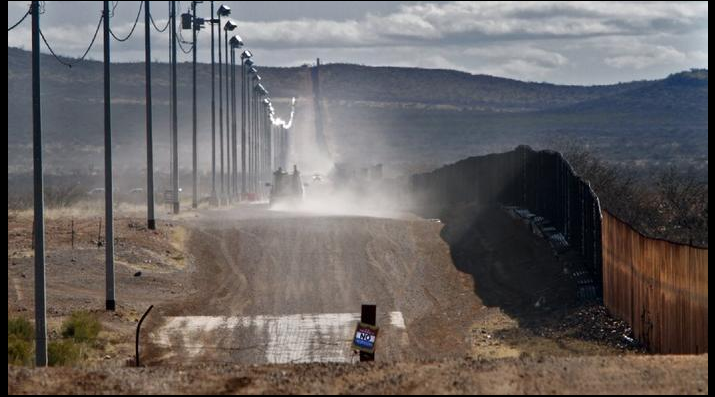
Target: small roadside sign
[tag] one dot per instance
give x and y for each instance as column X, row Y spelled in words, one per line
column 365, row 338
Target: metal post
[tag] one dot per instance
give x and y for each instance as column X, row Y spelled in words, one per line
column 234, row 146
column 256, row 126
column 249, row 134
column 109, row 223
column 138, row 330
column 151, row 222
column 213, row 113
column 194, row 160
column 228, row 124
column 220, row 104
column 368, row 315
column 38, row 205
column 174, row 113
column 251, row 125
column 243, row 128
column 257, row 152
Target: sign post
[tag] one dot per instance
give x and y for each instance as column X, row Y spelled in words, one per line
column 366, row 333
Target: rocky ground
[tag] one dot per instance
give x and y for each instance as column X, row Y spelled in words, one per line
column 545, row 375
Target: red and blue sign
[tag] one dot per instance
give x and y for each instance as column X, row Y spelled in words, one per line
column 365, row 338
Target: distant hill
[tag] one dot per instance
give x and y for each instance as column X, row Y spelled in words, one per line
column 407, row 116
column 684, row 93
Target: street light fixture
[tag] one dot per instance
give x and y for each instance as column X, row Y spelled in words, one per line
column 223, row 10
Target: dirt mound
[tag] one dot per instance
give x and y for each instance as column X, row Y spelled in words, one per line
column 550, row 375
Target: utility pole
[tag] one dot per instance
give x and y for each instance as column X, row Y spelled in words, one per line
column 220, row 100
column 235, row 42
column 228, row 114
column 151, row 222
column 249, row 128
column 194, row 28
column 233, row 122
column 108, row 210
column 244, row 56
column 174, row 111
column 213, row 113
column 38, row 205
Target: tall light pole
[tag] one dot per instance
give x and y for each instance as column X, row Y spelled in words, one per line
column 174, row 113
column 223, row 11
column 235, row 43
column 266, row 141
column 39, row 203
column 245, row 58
column 254, row 80
column 228, row 27
column 108, row 185
column 194, row 156
column 214, row 199
column 151, row 223
column 260, row 116
column 190, row 21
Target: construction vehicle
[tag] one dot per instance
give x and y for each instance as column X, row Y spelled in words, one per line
column 286, row 188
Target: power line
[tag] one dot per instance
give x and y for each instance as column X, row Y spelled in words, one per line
column 20, row 21
column 70, row 64
column 141, row 5
column 181, row 40
column 151, row 17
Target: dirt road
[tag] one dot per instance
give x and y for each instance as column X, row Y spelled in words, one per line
column 286, row 285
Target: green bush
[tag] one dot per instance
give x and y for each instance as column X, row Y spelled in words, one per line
column 20, row 328
column 19, row 351
column 20, row 334
column 63, row 352
column 81, row 326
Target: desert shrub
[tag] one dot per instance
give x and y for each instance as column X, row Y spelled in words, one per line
column 21, row 328
column 19, row 351
column 19, row 341
column 81, row 327
column 63, row 195
column 63, row 352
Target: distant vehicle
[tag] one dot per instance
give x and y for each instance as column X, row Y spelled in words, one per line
column 286, row 187
column 317, row 178
column 136, row 190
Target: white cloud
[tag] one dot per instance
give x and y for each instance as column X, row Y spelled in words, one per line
column 524, row 40
column 652, row 56
column 484, row 21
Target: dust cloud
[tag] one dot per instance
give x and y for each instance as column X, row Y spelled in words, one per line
column 333, row 187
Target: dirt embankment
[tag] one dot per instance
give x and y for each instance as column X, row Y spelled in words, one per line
column 545, row 375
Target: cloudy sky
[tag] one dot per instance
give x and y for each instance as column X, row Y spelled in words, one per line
column 559, row 42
